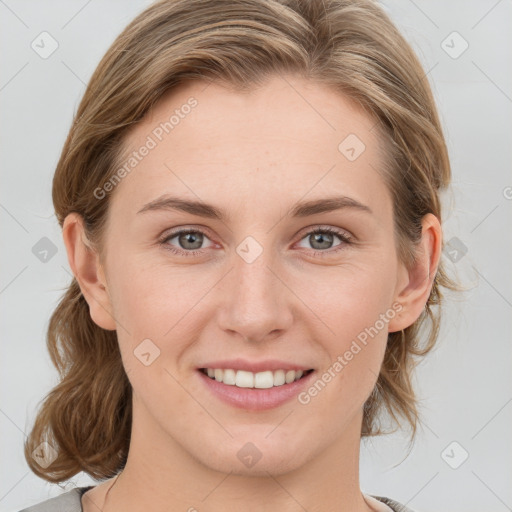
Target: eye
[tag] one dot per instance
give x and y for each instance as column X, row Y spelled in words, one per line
column 321, row 240
column 189, row 241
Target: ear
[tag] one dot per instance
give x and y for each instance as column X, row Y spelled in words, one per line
column 85, row 265
column 414, row 284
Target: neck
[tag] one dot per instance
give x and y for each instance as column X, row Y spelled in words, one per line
column 161, row 475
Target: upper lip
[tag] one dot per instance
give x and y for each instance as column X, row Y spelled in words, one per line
column 255, row 366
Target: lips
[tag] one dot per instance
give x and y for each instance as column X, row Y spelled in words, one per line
column 253, row 398
column 254, row 366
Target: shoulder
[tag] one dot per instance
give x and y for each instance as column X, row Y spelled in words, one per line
column 392, row 505
column 69, row 501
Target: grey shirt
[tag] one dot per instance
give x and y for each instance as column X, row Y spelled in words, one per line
column 70, row 501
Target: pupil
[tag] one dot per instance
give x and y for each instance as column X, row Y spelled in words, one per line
column 191, row 238
column 319, row 237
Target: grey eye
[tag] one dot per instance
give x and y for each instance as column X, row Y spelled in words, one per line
column 192, row 240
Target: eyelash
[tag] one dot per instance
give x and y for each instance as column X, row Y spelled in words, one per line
column 346, row 240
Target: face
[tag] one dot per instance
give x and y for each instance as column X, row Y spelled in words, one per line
column 248, row 283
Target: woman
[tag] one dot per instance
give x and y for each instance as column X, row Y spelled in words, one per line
column 296, row 147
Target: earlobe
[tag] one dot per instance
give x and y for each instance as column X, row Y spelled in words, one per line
column 415, row 284
column 84, row 263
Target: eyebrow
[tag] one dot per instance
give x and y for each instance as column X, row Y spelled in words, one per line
column 304, row 209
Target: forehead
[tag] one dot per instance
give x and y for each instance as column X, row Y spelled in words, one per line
column 282, row 141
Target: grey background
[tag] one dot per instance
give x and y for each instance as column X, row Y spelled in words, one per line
column 464, row 386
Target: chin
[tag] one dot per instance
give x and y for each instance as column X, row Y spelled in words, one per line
column 274, row 464
column 255, row 455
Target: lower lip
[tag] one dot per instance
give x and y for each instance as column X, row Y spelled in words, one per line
column 255, row 399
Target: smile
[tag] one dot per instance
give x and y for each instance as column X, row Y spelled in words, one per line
column 255, row 391
column 261, row 380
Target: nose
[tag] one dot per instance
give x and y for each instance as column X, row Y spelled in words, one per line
column 257, row 303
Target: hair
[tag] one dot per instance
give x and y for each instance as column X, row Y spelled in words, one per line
column 350, row 45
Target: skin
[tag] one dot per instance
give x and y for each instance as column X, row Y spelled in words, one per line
column 255, row 155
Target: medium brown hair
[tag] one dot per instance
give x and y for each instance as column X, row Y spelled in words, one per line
column 350, row 45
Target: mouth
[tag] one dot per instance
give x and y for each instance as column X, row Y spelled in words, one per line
column 255, row 380
column 255, row 391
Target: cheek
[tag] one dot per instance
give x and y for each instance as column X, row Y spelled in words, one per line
column 351, row 299
column 356, row 308
column 151, row 299
column 160, row 303
column 154, row 309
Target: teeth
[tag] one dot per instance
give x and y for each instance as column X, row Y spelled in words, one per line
column 229, row 377
column 260, row 380
column 244, row 379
